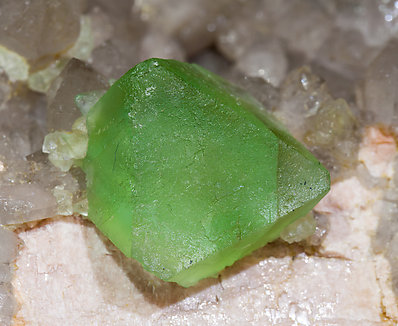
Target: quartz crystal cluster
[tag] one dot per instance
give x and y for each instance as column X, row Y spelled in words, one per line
column 327, row 70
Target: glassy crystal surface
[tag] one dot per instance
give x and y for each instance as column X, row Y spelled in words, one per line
column 265, row 59
column 77, row 77
column 347, row 53
column 186, row 174
column 192, row 23
column 118, row 33
column 302, row 35
column 25, row 26
column 302, row 94
column 26, row 182
column 376, row 20
column 377, row 95
column 156, row 44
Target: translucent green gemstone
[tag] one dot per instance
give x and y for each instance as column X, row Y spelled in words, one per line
column 187, row 174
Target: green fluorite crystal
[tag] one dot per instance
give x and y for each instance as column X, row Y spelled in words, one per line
column 187, row 173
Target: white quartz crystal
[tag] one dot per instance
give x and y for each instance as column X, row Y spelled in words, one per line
column 265, row 59
column 85, row 101
column 193, row 22
column 64, row 148
column 40, row 81
column 302, row 35
column 300, row 229
column 159, row 45
column 77, row 77
column 376, row 20
column 377, row 93
column 14, row 65
column 39, row 28
column 347, row 53
column 302, row 95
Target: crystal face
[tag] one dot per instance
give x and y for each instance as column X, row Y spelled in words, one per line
column 187, row 174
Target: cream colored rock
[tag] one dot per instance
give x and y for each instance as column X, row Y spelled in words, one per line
column 352, row 221
column 67, row 273
column 377, row 152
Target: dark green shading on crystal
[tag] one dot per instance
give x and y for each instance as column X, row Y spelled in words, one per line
column 187, row 174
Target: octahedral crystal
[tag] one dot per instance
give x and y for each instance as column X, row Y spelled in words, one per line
column 187, row 173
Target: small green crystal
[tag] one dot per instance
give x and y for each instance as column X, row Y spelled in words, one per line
column 187, row 174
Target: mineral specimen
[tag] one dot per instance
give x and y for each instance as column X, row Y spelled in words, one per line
column 350, row 50
column 187, row 174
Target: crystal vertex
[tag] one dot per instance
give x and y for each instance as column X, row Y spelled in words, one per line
column 187, row 173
